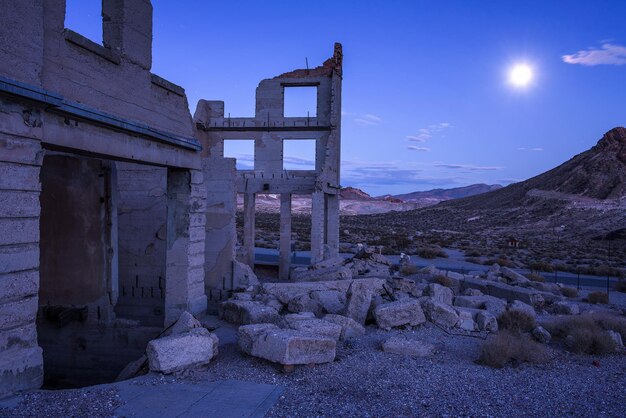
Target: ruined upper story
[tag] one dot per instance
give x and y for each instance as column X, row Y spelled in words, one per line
column 113, row 77
column 270, row 101
column 270, row 128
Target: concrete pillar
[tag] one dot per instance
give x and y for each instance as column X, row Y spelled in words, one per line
column 186, row 220
column 284, row 262
column 249, row 206
column 318, row 217
column 332, row 224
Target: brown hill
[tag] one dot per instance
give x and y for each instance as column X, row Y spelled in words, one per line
column 352, row 193
column 448, row 194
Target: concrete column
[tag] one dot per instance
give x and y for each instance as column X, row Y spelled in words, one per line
column 249, row 206
column 332, row 224
column 21, row 361
column 284, row 262
column 186, row 220
column 317, row 226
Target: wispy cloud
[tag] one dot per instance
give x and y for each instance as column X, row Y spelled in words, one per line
column 467, row 167
column 537, row 149
column 607, row 54
column 368, row 119
column 414, row 148
column 424, row 134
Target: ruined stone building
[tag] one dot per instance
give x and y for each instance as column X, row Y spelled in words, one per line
column 117, row 209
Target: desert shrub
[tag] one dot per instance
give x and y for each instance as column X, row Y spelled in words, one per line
column 598, row 297
column 534, row 277
column 569, row 292
column 515, row 320
column 431, row 252
column 620, row 286
column 582, row 334
column 408, row 269
column 541, row 266
column 472, row 253
column 444, row 280
column 503, row 262
column 609, row 321
column 511, row 348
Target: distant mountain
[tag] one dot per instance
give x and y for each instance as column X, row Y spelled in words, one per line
column 448, row 194
column 583, row 198
column 352, row 193
column 598, row 173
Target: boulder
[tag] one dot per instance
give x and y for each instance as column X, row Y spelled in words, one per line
column 183, row 351
column 243, row 312
column 331, row 262
column 402, row 312
column 439, row 293
column 494, row 305
column 472, row 292
column 565, row 308
column 513, row 293
column 541, row 334
column 521, row 306
column 439, row 313
column 402, row 285
column 349, row 327
column 243, row 277
column 248, row 334
column 322, row 274
column 359, row 300
column 486, row 321
column 271, row 301
column 513, row 276
column 332, row 301
column 285, row 346
column 316, row 326
column 406, row 347
column 304, row 303
column 185, row 323
column 466, row 320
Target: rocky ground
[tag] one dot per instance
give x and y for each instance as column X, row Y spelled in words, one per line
column 365, row 337
column 364, row 381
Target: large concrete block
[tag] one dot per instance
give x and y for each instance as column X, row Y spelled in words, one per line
column 349, row 327
column 439, row 313
column 359, row 301
column 285, row 346
column 439, row 293
column 248, row 312
column 182, row 351
column 402, row 312
column 316, row 326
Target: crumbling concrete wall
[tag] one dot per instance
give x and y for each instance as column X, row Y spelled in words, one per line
column 269, row 128
column 142, row 217
column 96, row 104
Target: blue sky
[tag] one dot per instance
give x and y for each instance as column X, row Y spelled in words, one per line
column 426, row 98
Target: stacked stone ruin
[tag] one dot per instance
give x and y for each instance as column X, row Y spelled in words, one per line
column 117, row 208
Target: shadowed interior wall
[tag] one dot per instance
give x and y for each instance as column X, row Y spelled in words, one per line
column 142, row 214
column 72, row 227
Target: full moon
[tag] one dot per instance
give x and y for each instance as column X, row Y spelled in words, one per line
column 520, row 75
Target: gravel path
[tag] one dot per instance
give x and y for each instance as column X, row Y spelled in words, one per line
column 366, row 382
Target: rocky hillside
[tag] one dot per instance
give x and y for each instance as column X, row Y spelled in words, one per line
column 448, row 194
column 577, row 207
column 352, row 193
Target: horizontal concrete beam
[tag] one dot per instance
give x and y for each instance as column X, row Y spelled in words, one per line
column 58, row 104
